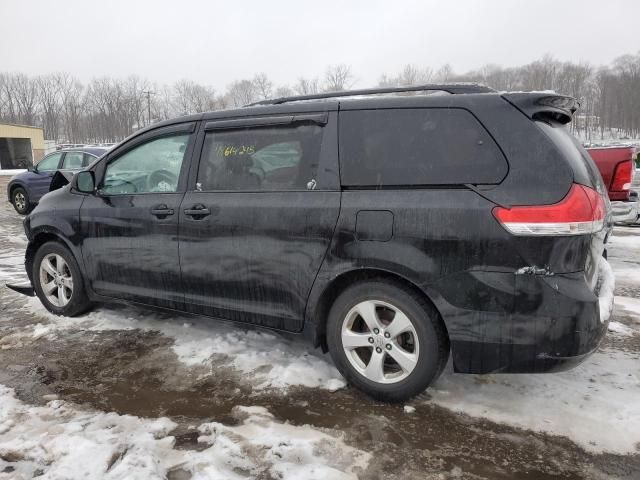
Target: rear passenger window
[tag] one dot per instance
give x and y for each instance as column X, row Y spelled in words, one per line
column 261, row 158
column 72, row 161
column 428, row 146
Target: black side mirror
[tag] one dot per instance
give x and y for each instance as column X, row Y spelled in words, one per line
column 86, row 181
column 31, row 168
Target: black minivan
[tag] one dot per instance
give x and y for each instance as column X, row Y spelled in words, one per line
column 391, row 226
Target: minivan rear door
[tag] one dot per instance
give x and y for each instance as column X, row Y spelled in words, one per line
column 259, row 217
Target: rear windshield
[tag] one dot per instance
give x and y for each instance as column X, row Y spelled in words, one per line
column 421, row 146
column 584, row 169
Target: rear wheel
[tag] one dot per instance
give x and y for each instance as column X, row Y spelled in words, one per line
column 385, row 340
column 57, row 280
column 20, row 200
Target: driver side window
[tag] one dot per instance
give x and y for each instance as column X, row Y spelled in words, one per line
column 153, row 166
column 49, row 163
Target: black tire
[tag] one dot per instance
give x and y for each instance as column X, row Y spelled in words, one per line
column 19, row 197
column 78, row 302
column 433, row 350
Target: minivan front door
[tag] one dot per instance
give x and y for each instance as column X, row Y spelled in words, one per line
column 255, row 229
column 130, row 227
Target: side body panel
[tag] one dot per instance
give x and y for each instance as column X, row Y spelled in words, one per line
column 129, row 253
column 255, row 256
column 57, row 214
column 447, row 243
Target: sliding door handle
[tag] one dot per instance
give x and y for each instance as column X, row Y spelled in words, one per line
column 197, row 211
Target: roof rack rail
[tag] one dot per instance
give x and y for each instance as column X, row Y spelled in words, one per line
column 453, row 88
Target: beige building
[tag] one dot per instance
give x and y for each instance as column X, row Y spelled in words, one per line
column 20, row 146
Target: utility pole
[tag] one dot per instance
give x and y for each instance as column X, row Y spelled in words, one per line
column 148, row 93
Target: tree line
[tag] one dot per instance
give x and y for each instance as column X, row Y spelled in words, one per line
column 108, row 109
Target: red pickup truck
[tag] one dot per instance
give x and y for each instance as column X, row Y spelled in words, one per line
column 617, row 165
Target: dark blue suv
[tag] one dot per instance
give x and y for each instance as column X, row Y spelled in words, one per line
column 25, row 189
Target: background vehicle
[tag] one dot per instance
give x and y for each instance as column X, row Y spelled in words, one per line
column 617, row 165
column 25, row 189
column 416, row 225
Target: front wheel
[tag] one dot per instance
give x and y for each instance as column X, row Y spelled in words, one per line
column 57, row 280
column 386, row 340
column 20, row 201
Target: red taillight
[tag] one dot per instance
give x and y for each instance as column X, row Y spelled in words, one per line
column 622, row 177
column 581, row 211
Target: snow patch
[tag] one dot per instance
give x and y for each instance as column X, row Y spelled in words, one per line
column 595, row 404
column 620, row 329
column 606, row 284
column 271, row 360
column 60, row 441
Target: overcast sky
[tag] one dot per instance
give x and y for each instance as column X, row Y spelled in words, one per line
column 215, row 42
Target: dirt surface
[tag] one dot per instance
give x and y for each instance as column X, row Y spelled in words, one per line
column 137, row 372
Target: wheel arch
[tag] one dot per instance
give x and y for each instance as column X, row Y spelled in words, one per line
column 40, row 238
column 316, row 321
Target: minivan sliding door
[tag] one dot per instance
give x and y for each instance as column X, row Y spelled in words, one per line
column 258, row 221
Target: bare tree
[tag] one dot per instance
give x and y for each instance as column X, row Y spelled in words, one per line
column 190, row 97
column 337, row 78
column 263, row 86
column 71, row 92
column 444, row 74
column 305, row 86
column 51, row 104
column 410, row 75
column 284, row 91
column 25, row 92
column 108, row 109
column 242, row 92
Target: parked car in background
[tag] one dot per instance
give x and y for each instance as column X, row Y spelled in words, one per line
column 25, row 189
column 617, row 165
column 392, row 230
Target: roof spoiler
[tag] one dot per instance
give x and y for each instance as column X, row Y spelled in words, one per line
column 544, row 105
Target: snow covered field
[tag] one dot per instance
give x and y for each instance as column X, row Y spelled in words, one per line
column 169, row 397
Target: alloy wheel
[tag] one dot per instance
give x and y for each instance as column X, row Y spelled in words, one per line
column 380, row 341
column 20, row 201
column 56, row 280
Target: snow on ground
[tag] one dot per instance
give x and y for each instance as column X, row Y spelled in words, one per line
column 630, row 307
column 12, row 171
column 196, row 341
column 59, row 441
column 595, row 404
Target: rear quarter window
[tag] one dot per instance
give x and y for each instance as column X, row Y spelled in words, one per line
column 583, row 167
column 427, row 146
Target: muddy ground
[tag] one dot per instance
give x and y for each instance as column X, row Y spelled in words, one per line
column 136, row 372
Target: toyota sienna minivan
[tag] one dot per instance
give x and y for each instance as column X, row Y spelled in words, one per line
column 393, row 227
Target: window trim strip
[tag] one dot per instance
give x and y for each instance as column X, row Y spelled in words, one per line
column 320, row 119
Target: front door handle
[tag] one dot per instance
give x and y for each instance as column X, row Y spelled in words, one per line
column 197, row 212
column 161, row 211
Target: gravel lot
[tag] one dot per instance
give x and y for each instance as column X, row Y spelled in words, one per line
column 124, row 392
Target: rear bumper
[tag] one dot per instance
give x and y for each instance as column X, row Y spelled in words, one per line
column 625, row 212
column 555, row 323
